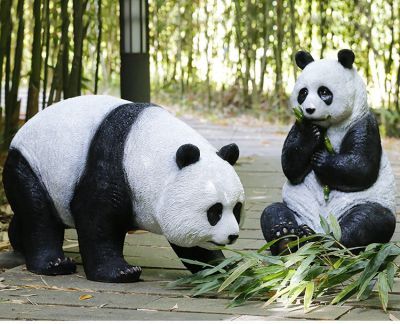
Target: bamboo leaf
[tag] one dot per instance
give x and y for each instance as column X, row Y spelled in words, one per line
column 308, row 295
column 267, row 246
column 383, row 289
column 202, row 264
column 375, row 263
column 324, row 224
column 337, row 232
column 278, row 294
column 301, row 270
column 207, row 287
column 235, row 274
column 295, row 292
column 391, row 273
column 345, row 293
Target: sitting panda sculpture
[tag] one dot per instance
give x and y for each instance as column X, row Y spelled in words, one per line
column 333, row 98
column 105, row 166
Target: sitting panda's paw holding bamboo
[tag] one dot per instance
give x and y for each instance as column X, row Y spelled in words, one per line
column 319, row 159
column 316, row 132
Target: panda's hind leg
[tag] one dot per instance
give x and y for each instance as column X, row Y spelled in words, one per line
column 35, row 230
column 367, row 223
column 277, row 221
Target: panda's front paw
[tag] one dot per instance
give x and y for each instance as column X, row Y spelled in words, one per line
column 316, row 132
column 319, row 159
column 56, row 266
column 119, row 271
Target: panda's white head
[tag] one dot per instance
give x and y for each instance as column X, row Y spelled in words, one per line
column 202, row 204
column 330, row 92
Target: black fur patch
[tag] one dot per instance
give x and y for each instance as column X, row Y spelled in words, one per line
column 303, row 58
column 197, row 254
column 346, row 58
column 367, row 223
column 35, row 229
column 229, row 153
column 303, row 93
column 102, row 204
column 325, row 94
column 186, row 155
column 300, row 144
column 356, row 166
column 214, row 214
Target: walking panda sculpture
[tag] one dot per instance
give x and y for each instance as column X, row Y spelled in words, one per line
column 333, row 99
column 105, row 166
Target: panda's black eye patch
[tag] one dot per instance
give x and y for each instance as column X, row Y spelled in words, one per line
column 236, row 211
column 214, row 214
column 325, row 94
column 303, row 93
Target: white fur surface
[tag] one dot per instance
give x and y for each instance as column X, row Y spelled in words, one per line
column 167, row 200
column 171, row 201
column 56, row 141
column 349, row 105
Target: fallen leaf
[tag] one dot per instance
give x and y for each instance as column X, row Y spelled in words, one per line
column 84, row 297
column 173, row 308
column 18, row 301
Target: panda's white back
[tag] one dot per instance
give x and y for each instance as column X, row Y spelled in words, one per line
column 55, row 142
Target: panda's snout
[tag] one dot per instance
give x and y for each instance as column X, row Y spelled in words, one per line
column 232, row 238
column 310, row 110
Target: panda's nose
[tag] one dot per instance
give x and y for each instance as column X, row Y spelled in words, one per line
column 310, row 110
column 232, row 238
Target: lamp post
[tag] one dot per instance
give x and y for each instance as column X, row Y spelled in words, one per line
column 135, row 70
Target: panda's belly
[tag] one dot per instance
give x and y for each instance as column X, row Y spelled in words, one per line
column 307, row 198
column 56, row 141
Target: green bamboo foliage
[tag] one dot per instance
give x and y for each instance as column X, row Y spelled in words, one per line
column 319, row 270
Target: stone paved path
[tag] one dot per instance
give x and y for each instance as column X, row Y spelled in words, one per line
column 27, row 296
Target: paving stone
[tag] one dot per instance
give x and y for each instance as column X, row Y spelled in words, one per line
column 45, row 312
column 365, row 314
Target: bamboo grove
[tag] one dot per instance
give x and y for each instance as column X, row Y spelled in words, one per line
column 228, row 56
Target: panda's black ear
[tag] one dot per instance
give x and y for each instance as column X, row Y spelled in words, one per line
column 346, row 58
column 229, row 153
column 187, row 154
column 303, row 58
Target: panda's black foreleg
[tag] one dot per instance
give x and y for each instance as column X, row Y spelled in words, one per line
column 35, row 230
column 197, row 254
column 365, row 224
column 277, row 221
column 101, row 223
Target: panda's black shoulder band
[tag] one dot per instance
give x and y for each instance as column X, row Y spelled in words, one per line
column 103, row 178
